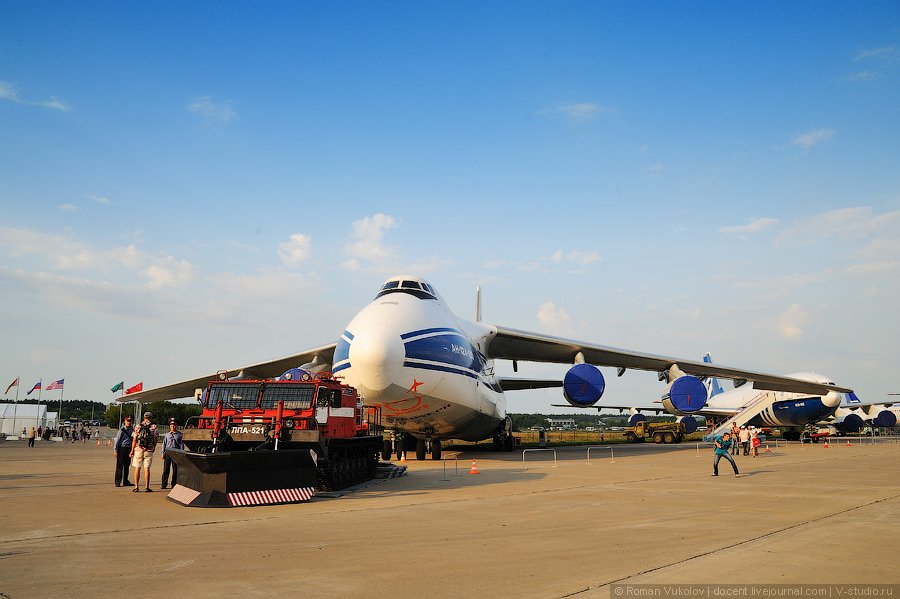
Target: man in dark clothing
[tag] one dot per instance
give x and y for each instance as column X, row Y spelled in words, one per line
column 172, row 440
column 122, row 451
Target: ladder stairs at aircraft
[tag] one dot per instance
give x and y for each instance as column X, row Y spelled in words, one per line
column 756, row 405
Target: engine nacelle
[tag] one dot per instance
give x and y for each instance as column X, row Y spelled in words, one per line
column 851, row 423
column 635, row 418
column 689, row 423
column 295, row 374
column 885, row 418
column 684, row 395
column 583, row 385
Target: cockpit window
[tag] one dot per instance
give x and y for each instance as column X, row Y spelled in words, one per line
column 420, row 290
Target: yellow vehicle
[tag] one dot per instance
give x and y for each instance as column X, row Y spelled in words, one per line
column 660, row 432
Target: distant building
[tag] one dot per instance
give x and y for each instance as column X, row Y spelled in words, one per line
column 26, row 415
column 561, row 423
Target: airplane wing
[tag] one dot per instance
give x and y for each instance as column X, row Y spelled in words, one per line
column 262, row 370
column 512, row 344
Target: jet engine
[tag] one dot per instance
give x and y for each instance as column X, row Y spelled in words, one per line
column 689, row 423
column 295, row 374
column 635, row 418
column 848, row 420
column 583, row 385
column 885, row 418
column 684, row 395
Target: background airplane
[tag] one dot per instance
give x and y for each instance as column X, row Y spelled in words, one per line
column 748, row 406
column 432, row 373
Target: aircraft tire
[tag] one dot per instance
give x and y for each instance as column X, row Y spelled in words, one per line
column 386, row 450
column 420, row 449
column 435, row 450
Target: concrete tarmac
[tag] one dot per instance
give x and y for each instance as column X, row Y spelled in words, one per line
column 800, row 514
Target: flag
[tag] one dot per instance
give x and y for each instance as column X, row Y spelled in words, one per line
column 135, row 389
column 37, row 385
column 55, row 385
column 118, row 387
column 15, row 383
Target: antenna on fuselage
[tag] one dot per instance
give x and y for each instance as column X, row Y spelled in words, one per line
column 478, row 303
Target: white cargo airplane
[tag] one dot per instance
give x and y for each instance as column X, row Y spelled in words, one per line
column 432, row 373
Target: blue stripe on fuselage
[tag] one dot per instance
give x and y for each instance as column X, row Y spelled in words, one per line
column 797, row 412
column 429, row 331
column 447, row 347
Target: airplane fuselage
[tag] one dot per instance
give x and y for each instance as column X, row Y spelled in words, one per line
column 788, row 409
column 407, row 353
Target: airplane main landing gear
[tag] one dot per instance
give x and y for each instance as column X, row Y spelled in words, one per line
column 426, row 446
column 503, row 439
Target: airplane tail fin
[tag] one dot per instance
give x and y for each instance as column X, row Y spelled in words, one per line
column 712, row 383
column 478, row 304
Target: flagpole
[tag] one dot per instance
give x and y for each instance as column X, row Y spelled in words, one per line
column 15, row 407
column 59, row 415
column 121, row 395
column 37, row 417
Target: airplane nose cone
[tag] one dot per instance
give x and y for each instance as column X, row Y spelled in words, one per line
column 377, row 358
column 832, row 399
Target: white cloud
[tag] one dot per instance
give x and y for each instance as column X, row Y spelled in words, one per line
column 216, row 114
column 9, row 92
column 295, row 250
column 883, row 53
column 168, row 272
column 579, row 112
column 68, row 207
column 65, row 253
column 871, row 268
column 654, row 169
column 842, row 223
column 559, row 257
column 555, row 319
column 98, row 199
column 367, row 245
column 752, row 228
column 791, row 321
column 812, row 137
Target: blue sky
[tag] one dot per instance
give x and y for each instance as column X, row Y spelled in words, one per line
column 194, row 187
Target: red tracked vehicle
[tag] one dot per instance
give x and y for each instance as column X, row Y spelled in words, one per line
column 257, row 438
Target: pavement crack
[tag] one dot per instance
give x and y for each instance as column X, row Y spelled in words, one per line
column 730, row 545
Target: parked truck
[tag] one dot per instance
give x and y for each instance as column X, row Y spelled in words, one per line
column 660, row 432
column 257, row 438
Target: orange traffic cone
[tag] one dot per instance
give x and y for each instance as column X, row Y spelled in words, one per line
column 108, row 442
column 826, row 442
column 767, row 449
column 98, row 442
column 474, row 468
column 402, row 458
column 848, row 443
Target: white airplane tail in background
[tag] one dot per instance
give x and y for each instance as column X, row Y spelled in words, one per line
column 712, row 383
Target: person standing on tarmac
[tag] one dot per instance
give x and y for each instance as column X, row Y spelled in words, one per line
column 31, row 435
column 145, row 439
column 745, row 440
column 172, row 440
column 735, row 431
column 723, row 443
column 122, row 451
